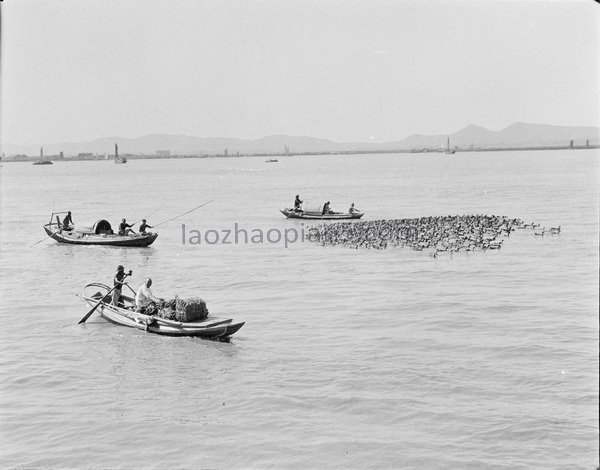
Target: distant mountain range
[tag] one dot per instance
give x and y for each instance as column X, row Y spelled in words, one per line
column 471, row 137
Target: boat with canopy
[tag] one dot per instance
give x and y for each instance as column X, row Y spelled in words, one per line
column 96, row 233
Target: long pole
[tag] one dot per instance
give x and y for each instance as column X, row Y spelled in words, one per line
column 99, row 302
column 185, row 213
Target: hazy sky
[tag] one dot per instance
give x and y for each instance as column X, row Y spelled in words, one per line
column 345, row 70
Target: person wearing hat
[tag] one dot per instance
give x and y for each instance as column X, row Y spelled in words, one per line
column 118, row 281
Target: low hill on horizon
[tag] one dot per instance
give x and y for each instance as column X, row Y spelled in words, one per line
column 471, row 137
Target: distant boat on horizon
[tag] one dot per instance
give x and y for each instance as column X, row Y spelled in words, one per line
column 117, row 158
column 41, row 161
column 271, row 160
column 448, row 150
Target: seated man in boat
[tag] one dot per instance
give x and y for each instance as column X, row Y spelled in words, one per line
column 352, row 209
column 143, row 227
column 145, row 302
column 67, row 223
column 125, row 228
column 298, row 204
column 326, row 209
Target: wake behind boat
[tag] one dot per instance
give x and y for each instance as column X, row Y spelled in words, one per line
column 99, row 233
column 125, row 315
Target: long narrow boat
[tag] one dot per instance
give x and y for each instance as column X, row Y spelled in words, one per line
column 292, row 214
column 213, row 328
column 100, row 233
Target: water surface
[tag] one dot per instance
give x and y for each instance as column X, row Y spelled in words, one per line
column 348, row 359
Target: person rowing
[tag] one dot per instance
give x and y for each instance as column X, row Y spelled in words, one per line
column 118, row 282
column 298, row 204
column 352, row 209
column 326, row 209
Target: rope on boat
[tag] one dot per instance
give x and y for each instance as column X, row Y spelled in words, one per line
column 185, row 213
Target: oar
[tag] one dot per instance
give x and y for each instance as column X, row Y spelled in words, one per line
column 98, row 304
column 181, row 215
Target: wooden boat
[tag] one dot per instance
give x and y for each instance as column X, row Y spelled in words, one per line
column 271, row 160
column 448, row 150
column 41, row 161
column 317, row 215
column 213, row 328
column 100, row 233
column 118, row 158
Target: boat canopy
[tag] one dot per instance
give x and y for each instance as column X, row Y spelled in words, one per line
column 99, row 227
column 313, row 207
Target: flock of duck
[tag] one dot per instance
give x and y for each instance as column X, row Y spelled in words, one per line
column 451, row 233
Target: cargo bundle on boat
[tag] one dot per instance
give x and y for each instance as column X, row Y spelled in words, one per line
column 125, row 314
column 184, row 310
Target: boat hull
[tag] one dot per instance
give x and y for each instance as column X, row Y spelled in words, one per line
column 290, row 214
column 81, row 238
column 211, row 328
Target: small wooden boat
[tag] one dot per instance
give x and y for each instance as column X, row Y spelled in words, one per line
column 100, row 233
column 41, row 161
column 271, row 160
column 213, row 328
column 118, row 158
column 292, row 214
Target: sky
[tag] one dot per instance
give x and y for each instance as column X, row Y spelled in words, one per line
column 345, row 70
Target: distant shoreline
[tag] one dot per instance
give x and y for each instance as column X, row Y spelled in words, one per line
column 55, row 158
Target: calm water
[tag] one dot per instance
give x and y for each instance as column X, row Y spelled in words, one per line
column 349, row 358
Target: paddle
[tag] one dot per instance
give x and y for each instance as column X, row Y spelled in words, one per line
column 100, row 301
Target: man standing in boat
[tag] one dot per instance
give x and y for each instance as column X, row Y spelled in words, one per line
column 125, row 228
column 298, row 204
column 118, row 281
column 143, row 227
column 67, row 221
